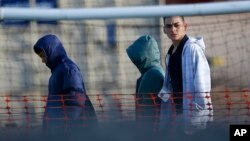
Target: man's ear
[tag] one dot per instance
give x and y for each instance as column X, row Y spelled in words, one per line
column 185, row 26
column 164, row 30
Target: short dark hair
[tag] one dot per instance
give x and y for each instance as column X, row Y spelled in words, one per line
column 182, row 18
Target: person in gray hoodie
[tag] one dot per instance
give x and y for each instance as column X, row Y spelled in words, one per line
column 186, row 91
column 145, row 54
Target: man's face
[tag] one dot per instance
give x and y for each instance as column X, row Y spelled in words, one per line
column 175, row 28
column 43, row 56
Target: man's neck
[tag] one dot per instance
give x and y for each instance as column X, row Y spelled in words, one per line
column 175, row 44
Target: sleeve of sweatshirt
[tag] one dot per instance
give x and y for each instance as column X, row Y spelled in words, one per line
column 151, row 82
column 202, row 78
column 72, row 81
column 73, row 87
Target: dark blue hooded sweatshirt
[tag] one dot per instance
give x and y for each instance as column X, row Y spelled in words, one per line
column 67, row 101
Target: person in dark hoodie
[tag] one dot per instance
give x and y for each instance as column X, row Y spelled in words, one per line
column 67, row 101
column 145, row 54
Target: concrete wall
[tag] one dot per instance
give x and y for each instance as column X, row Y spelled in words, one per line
column 107, row 68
